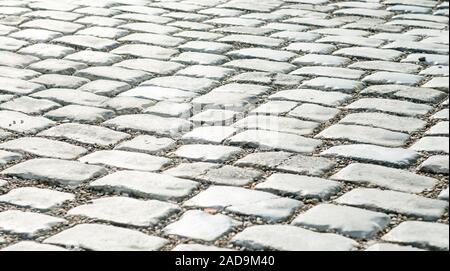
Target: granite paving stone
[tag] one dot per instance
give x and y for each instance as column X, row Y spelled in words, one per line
column 386, row 177
column 291, row 238
column 100, row 237
column 350, row 221
column 36, row 198
column 396, row 202
column 246, row 202
column 224, row 125
column 27, row 223
column 126, row 211
column 48, row 170
column 422, row 234
column 199, row 225
column 146, row 185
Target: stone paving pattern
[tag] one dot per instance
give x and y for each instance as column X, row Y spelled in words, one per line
column 224, row 125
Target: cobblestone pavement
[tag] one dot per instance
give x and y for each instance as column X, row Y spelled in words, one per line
column 224, row 125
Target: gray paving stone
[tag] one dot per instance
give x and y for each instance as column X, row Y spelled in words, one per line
column 261, row 65
column 300, row 186
column 194, row 58
column 199, row 225
column 36, row 198
column 441, row 115
column 329, row 72
column 126, row 160
column 207, row 153
column 391, row 178
column 275, row 140
column 191, row 170
column 386, row 66
column 277, row 124
column 391, row 106
column 126, row 211
column 23, row 74
column 372, row 153
column 206, row 71
column 212, row 134
column 215, row 117
column 94, row 58
column 420, row 94
column 7, row 157
column 323, row 60
column 364, row 134
column 422, row 234
column 311, row 48
column 393, row 78
column 333, row 84
column 60, row 81
column 29, row 105
column 369, row 53
column 231, row 175
column 103, row 32
column 44, row 50
column 198, row 85
column 53, row 25
column 443, row 195
column 311, row 96
column 196, row 247
column 58, row 66
column 142, row 50
column 106, row 238
column 127, row 105
column 205, row 47
column 438, row 83
column 385, row 121
column 391, row 247
column 430, row 59
column 396, row 202
column 146, row 185
column 225, row 92
column 27, row 223
column 80, row 113
column 18, row 86
column 105, row 87
column 314, row 112
column 170, row 109
column 150, row 66
column 162, row 126
column 274, row 108
column 32, row 246
column 441, row 128
column 290, row 238
column 246, row 202
column 14, row 60
column 159, row 94
column 432, row 144
column 114, row 73
column 310, row 165
column 262, row 53
column 44, row 147
column 22, row 123
column 146, row 144
column 350, row 221
column 84, row 133
column 48, row 170
column 438, row 164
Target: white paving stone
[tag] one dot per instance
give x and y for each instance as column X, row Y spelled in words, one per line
column 106, row 238
column 36, row 198
column 126, row 211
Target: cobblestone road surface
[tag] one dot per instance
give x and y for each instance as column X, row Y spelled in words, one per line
column 224, row 125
